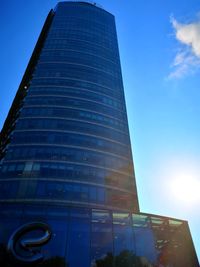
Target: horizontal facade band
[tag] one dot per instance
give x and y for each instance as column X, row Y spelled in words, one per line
column 118, row 77
column 79, row 98
column 70, row 146
column 4, row 180
column 81, row 80
column 63, row 202
column 75, row 132
column 71, row 162
column 66, row 119
column 82, row 52
column 82, row 40
column 72, row 107
column 78, row 88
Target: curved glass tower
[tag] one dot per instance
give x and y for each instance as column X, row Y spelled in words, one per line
column 70, row 141
column 67, row 186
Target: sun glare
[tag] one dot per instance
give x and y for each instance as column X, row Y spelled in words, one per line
column 186, row 188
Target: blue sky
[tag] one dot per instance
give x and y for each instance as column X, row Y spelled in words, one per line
column 160, row 57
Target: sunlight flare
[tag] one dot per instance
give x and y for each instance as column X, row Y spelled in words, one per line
column 185, row 188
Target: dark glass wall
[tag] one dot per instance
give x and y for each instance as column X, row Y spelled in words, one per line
column 99, row 238
column 68, row 139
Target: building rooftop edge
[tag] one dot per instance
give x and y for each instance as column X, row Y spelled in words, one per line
column 88, row 2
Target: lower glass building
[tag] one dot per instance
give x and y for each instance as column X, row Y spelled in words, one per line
column 95, row 238
column 68, row 194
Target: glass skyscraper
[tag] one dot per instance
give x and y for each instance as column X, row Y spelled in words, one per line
column 67, row 186
column 70, row 141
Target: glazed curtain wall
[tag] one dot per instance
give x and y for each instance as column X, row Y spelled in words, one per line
column 70, row 141
column 102, row 238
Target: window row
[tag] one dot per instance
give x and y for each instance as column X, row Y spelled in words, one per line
column 73, row 139
column 94, row 215
column 82, row 115
column 80, row 58
column 82, row 46
column 80, row 25
column 69, row 171
column 67, row 102
column 72, row 192
column 85, row 36
column 68, row 154
column 76, row 92
column 66, row 125
column 77, row 71
column 115, row 92
column 89, row 58
column 77, row 22
column 84, row 33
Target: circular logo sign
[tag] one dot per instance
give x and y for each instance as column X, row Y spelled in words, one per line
column 24, row 250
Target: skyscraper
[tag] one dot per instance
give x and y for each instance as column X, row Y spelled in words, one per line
column 66, row 162
column 71, row 134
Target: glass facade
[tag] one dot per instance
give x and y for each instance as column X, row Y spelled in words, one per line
column 103, row 238
column 70, row 140
column 68, row 195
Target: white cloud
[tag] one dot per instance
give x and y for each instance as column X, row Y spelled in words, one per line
column 187, row 59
